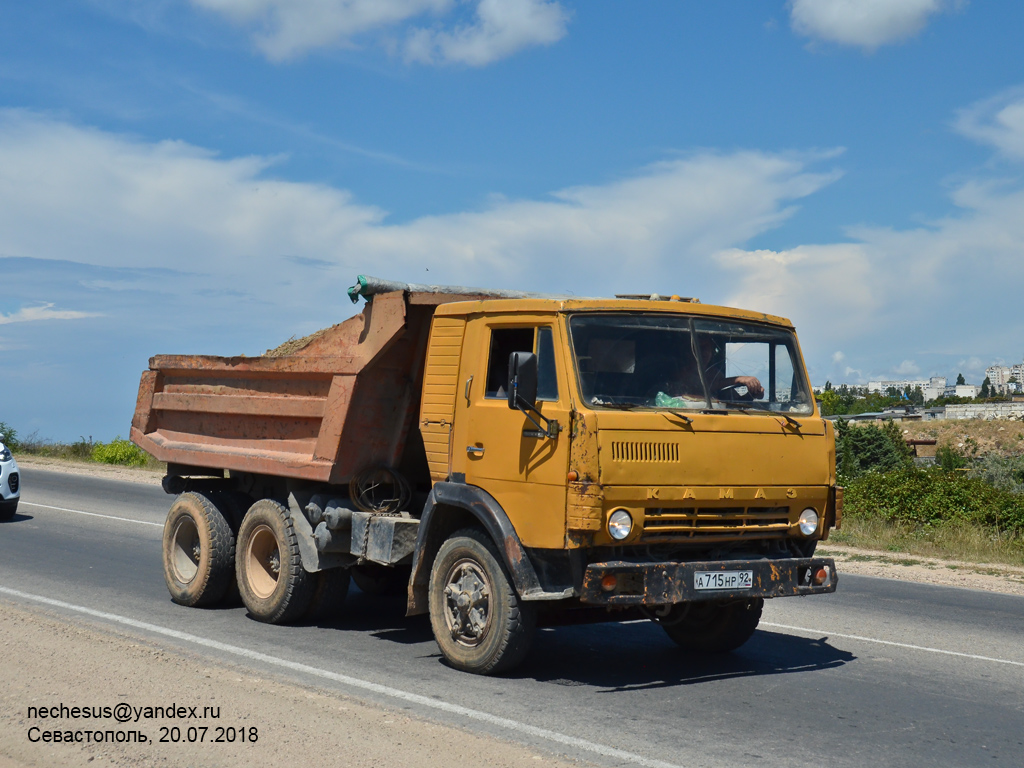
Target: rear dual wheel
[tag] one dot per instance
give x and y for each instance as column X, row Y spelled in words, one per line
column 198, row 551
column 271, row 580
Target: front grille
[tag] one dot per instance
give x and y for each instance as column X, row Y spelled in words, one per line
column 12, row 481
column 723, row 523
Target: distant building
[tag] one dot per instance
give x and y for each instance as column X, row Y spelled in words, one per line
column 931, row 388
column 999, row 375
column 966, row 390
column 1004, row 379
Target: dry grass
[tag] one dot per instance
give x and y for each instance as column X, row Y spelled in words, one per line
column 947, row 542
column 1005, row 438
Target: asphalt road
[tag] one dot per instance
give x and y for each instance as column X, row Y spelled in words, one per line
column 881, row 673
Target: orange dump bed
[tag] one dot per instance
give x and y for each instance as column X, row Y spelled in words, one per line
column 344, row 401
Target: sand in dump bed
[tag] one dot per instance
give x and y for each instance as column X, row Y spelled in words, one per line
column 293, row 345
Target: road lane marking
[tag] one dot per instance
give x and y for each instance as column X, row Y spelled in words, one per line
column 91, row 514
column 821, row 632
column 355, row 682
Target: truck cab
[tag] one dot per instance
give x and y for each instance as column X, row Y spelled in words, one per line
column 668, row 457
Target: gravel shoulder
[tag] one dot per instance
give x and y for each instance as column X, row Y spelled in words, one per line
column 52, row 660
column 926, row 570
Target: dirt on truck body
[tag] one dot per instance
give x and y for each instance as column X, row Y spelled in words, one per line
column 502, row 458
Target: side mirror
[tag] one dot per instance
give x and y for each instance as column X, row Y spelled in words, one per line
column 522, row 380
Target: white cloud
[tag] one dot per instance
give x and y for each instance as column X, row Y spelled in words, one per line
column 809, row 283
column 950, row 284
column 998, row 121
column 972, row 365
column 111, row 201
column 866, row 24
column 284, row 29
column 501, row 28
column 838, row 357
column 907, row 368
column 44, row 312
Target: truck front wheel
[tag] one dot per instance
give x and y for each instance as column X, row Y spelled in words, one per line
column 271, row 580
column 198, row 551
column 479, row 622
column 709, row 627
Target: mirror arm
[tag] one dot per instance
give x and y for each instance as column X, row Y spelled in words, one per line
column 549, row 430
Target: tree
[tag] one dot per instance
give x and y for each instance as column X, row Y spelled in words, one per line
column 986, row 387
column 831, row 403
column 828, row 386
column 960, row 379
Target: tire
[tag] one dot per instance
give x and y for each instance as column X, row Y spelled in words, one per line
column 198, row 551
column 803, row 548
column 709, row 627
column 8, row 510
column 381, row 581
column 329, row 593
column 480, row 623
column 271, row 580
column 233, row 505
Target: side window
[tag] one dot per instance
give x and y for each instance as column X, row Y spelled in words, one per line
column 505, row 341
column 547, row 379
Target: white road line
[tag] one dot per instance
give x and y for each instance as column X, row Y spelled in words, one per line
column 822, row 632
column 355, row 682
column 92, row 514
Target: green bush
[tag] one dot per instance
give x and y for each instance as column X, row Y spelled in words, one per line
column 1003, row 472
column 869, row 448
column 119, row 451
column 929, row 498
column 9, row 436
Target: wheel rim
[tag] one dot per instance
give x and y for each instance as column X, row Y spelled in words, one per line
column 263, row 562
column 467, row 612
column 187, row 550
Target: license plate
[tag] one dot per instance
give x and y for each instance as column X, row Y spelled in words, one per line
column 723, row 580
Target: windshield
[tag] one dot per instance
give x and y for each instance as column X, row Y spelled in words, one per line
column 662, row 361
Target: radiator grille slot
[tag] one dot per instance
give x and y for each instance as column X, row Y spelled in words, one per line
column 716, row 522
column 644, row 452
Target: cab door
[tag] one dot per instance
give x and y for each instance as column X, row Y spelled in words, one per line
column 497, row 448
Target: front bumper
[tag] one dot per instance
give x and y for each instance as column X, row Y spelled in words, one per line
column 670, row 582
column 10, row 481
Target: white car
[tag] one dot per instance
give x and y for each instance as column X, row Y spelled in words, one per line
column 10, row 484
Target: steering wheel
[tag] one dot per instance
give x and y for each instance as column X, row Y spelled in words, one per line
column 734, row 392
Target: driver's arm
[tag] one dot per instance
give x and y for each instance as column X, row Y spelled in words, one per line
column 750, row 382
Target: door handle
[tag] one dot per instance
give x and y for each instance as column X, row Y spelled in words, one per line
column 475, row 450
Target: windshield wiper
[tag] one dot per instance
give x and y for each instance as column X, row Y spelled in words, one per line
column 677, row 414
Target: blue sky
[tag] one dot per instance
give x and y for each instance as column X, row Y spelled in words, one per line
column 208, row 176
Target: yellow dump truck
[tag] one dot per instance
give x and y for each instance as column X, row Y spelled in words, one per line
column 502, row 459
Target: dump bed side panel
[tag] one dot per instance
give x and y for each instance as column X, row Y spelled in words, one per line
column 321, row 413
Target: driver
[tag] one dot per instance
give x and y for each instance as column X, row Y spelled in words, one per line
column 716, row 381
column 684, row 381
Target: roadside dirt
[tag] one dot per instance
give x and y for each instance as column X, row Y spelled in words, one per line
column 925, row 570
column 128, row 474
column 49, row 661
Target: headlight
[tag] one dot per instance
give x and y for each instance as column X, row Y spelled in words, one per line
column 620, row 524
column 5, row 453
column 808, row 522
